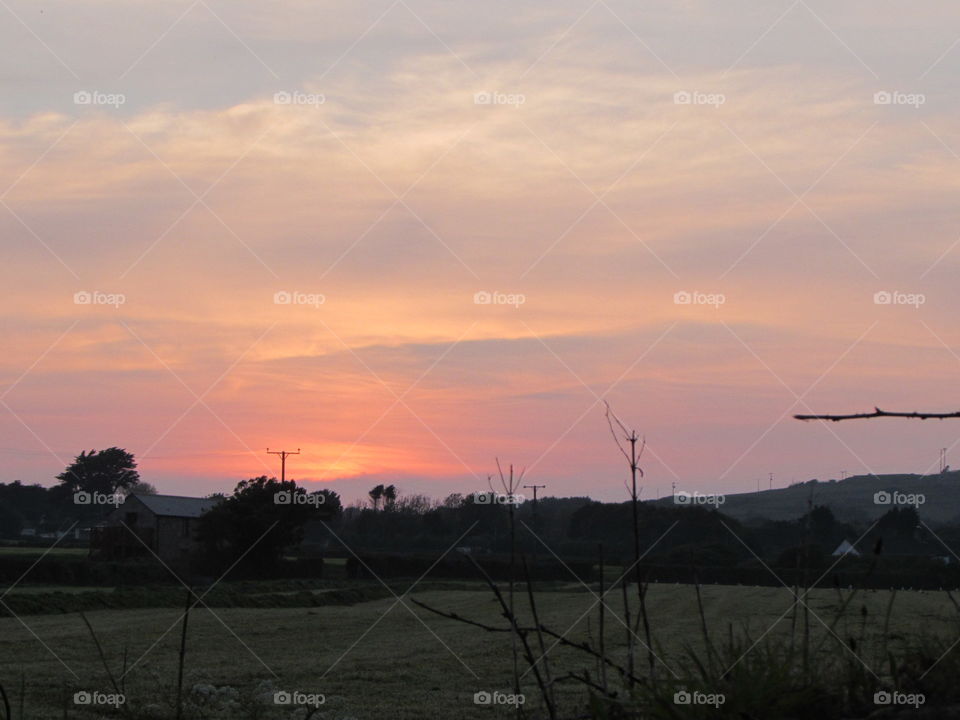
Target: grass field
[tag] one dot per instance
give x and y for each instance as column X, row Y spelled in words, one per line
column 39, row 551
column 39, row 589
column 380, row 659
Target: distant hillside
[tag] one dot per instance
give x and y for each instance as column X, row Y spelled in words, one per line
column 851, row 500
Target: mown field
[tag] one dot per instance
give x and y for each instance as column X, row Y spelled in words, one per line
column 385, row 659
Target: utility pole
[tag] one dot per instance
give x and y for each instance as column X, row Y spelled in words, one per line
column 283, row 460
column 843, row 474
column 534, row 488
column 943, row 460
column 771, row 482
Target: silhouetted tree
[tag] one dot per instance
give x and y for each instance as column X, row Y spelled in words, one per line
column 97, row 473
column 261, row 519
column 22, row 506
column 100, row 471
column 389, row 497
column 453, row 500
column 901, row 522
column 143, row 488
column 822, row 523
column 375, row 495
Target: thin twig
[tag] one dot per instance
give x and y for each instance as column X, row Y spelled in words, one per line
column 183, row 652
column 6, row 704
column 548, row 695
column 103, row 659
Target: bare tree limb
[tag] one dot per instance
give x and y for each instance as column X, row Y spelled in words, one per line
column 561, row 638
column 878, row 413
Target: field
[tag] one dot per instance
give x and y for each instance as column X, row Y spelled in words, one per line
column 41, row 551
column 382, row 659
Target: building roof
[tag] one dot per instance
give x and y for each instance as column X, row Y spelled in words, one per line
column 845, row 548
column 176, row 505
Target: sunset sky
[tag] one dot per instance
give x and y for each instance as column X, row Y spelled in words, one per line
column 192, row 165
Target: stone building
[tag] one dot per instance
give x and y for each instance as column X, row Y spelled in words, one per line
column 147, row 525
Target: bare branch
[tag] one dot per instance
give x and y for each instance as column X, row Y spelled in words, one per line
column 611, row 418
column 561, row 638
column 460, row 618
column 878, row 413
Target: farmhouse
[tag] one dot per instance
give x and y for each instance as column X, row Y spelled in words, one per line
column 144, row 525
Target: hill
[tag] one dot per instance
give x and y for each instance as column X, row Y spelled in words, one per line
column 851, row 500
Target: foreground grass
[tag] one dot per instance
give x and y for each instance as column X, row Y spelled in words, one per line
column 379, row 659
column 40, row 551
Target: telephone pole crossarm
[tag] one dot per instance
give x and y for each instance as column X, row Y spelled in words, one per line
column 283, row 460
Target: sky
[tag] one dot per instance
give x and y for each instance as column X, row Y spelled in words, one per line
column 411, row 237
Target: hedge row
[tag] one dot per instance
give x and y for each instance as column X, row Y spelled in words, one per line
column 384, row 565
column 54, row 570
column 174, row 597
